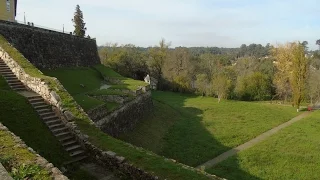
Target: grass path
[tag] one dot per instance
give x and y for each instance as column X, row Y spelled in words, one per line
column 252, row 142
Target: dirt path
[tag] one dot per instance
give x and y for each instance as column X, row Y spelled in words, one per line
column 252, row 142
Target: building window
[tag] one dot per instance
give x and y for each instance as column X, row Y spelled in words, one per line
column 8, row 5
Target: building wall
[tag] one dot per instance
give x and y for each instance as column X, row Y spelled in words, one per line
column 4, row 13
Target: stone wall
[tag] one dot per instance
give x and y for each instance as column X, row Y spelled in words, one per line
column 55, row 173
column 125, row 118
column 48, row 49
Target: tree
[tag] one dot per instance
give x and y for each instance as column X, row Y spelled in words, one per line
column 202, row 84
column 292, row 67
column 157, row 57
column 318, row 43
column 255, row 86
column 221, row 85
column 79, row 25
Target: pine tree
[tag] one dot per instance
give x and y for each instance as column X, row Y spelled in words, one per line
column 79, row 24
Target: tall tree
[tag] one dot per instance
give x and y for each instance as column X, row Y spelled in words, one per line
column 79, row 24
column 292, row 65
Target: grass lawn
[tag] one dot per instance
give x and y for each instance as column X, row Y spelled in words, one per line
column 126, row 83
column 72, row 78
column 195, row 129
column 85, row 81
column 292, row 153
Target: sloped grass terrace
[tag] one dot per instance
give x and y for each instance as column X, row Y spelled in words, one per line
column 141, row 158
column 194, row 129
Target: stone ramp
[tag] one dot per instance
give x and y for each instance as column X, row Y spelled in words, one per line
column 4, row 175
column 98, row 172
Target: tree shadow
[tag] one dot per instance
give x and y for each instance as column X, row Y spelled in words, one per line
column 186, row 139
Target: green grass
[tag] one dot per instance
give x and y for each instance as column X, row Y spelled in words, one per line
column 292, row 153
column 72, row 78
column 87, row 102
column 18, row 115
column 107, row 92
column 3, row 84
column 13, row 156
column 126, row 83
column 195, row 129
column 141, row 158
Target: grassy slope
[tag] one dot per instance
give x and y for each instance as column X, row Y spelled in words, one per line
column 18, row 115
column 199, row 128
column 15, row 156
column 141, row 158
column 293, row 153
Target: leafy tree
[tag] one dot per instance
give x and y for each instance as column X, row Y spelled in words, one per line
column 79, row 24
column 157, row 58
column 221, row 86
column 255, row 86
column 292, row 68
column 202, row 84
column 314, row 85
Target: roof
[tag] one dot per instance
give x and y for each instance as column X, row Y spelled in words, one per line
column 15, row 7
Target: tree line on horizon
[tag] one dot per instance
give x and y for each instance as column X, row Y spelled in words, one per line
column 288, row 72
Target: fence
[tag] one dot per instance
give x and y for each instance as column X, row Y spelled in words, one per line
column 47, row 28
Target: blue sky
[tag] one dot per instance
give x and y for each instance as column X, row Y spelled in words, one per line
column 222, row 23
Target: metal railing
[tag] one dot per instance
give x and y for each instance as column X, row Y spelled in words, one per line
column 47, row 28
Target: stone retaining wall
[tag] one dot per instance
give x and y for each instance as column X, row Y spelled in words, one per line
column 55, row 173
column 126, row 117
column 50, row 49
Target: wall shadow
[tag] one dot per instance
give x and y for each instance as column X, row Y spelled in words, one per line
column 186, row 140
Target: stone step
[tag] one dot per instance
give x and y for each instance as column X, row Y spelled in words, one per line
column 15, row 86
column 12, row 79
column 5, row 70
column 66, row 138
column 69, row 143
column 19, row 89
column 36, row 100
column 9, row 76
column 41, row 107
column 7, row 73
column 44, row 110
column 34, row 97
column 56, row 126
column 77, row 159
column 63, row 134
column 47, row 118
column 73, row 148
column 39, row 103
column 15, row 83
column 49, row 113
column 53, row 122
column 76, row 153
column 59, row 130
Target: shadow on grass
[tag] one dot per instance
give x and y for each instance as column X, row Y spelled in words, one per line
column 178, row 132
column 231, row 170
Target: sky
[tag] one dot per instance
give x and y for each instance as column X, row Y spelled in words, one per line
column 221, row 23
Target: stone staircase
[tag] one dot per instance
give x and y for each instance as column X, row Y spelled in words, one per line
column 53, row 122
